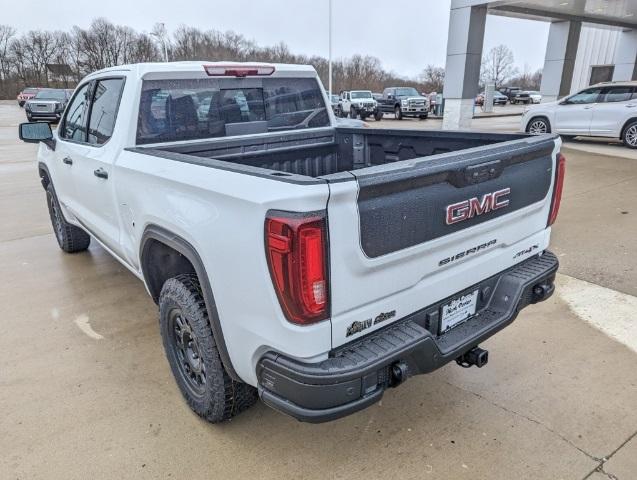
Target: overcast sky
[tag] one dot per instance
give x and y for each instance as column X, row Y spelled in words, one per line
column 360, row 26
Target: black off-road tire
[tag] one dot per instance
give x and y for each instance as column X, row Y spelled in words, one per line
column 398, row 112
column 197, row 367
column 352, row 113
column 70, row 238
column 378, row 116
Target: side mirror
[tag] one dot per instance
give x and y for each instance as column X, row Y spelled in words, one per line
column 35, row 132
column 390, row 96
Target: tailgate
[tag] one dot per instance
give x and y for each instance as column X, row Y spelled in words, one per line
column 408, row 234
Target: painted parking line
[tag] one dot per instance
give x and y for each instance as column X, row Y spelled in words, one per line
column 607, row 310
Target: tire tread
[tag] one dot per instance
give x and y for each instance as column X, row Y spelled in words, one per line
column 73, row 238
column 225, row 397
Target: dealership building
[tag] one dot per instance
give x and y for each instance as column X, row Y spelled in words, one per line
column 589, row 41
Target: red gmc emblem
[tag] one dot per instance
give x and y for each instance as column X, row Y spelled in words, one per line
column 473, row 207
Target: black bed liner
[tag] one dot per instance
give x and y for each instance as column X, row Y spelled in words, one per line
column 323, row 154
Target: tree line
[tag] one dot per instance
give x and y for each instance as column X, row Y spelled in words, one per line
column 498, row 67
column 24, row 57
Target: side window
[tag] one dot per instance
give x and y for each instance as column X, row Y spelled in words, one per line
column 74, row 125
column 586, row 96
column 617, row 94
column 104, row 110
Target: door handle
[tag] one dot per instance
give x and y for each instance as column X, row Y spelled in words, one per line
column 588, row 108
column 100, row 173
column 631, row 105
column 67, row 160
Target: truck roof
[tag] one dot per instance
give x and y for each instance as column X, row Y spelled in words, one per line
column 196, row 68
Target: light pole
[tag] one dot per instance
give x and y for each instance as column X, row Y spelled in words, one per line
column 329, row 58
column 160, row 36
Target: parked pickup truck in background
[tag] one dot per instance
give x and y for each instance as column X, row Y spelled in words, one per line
column 311, row 265
column 516, row 95
column 521, row 96
column 404, row 102
column 47, row 104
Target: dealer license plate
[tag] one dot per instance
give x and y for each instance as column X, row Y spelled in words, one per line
column 458, row 310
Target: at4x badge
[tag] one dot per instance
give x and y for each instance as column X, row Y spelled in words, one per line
column 358, row 326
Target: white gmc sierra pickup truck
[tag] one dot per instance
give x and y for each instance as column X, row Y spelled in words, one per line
column 308, row 264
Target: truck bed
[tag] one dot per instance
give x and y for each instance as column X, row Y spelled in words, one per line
column 329, row 151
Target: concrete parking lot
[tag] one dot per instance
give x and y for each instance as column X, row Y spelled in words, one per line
column 85, row 390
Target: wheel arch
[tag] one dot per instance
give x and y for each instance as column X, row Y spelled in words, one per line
column 539, row 115
column 625, row 125
column 45, row 176
column 182, row 258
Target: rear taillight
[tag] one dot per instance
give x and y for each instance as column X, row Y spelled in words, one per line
column 560, row 169
column 238, row 70
column 296, row 249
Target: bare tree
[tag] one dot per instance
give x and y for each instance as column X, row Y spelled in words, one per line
column 433, row 78
column 144, row 49
column 527, row 80
column 6, row 35
column 497, row 66
column 23, row 58
column 41, row 48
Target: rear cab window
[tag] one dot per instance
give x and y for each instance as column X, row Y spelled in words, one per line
column 190, row 109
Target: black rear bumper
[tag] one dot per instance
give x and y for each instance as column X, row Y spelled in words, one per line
column 356, row 375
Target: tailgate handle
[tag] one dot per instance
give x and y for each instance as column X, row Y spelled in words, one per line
column 482, row 172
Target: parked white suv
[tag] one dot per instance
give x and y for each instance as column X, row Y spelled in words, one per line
column 359, row 103
column 602, row 110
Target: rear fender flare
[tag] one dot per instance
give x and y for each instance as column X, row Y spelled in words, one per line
column 182, row 246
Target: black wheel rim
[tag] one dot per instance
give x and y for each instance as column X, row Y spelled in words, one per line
column 185, row 350
column 56, row 218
